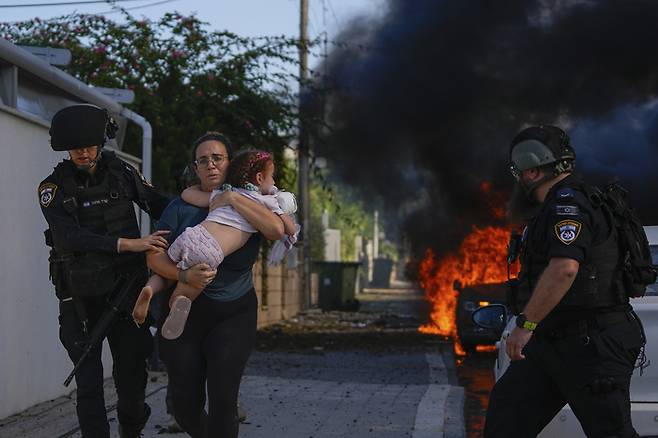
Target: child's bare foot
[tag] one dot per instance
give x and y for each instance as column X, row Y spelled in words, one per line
column 175, row 323
column 142, row 304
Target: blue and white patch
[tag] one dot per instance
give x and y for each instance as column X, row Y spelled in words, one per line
column 47, row 194
column 567, row 210
column 567, row 231
column 565, row 194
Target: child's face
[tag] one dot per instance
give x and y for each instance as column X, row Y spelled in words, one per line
column 266, row 179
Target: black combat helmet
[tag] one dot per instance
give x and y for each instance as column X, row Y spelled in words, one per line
column 80, row 126
column 539, row 146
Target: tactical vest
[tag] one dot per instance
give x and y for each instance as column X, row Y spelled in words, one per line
column 107, row 209
column 596, row 285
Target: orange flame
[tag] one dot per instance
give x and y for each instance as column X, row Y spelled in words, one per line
column 481, row 259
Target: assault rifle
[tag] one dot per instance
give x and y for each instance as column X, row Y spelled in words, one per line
column 104, row 324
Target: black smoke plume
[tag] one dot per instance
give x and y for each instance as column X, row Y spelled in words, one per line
column 423, row 103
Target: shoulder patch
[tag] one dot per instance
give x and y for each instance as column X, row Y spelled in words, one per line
column 567, row 210
column 46, row 194
column 567, row 231
column 565, row 194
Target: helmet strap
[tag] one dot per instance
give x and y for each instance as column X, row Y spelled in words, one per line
column 529, row 188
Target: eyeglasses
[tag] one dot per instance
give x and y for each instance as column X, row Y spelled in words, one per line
column 204, row 161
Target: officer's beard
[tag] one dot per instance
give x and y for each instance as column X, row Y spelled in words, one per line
column 522, row 206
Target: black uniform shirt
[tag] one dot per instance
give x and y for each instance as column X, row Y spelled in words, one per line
column 67, row 234
column 567, row 225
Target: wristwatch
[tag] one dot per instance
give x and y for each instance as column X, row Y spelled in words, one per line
column 522, row 322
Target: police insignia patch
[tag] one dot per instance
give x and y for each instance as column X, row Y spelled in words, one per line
column 567, row 231
column 47, row 193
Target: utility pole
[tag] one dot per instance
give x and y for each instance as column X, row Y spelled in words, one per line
column 303, row 163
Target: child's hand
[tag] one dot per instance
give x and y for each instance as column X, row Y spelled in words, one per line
column 222, row 200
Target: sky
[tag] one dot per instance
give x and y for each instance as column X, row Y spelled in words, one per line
column 244, row 17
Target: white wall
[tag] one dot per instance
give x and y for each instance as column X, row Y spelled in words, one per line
column 33, row 363
column 331, row 245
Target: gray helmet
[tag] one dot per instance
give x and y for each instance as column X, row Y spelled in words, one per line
column 540, row 146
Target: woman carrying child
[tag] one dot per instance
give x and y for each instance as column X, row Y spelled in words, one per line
column 220, row 332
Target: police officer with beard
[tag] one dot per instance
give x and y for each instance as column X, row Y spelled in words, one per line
column 93, row 232
column 577, row 339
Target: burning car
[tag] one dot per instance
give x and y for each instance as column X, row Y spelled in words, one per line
column 469, row 299
column 644, row 386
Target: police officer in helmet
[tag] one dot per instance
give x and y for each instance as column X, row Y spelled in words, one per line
column 577, row 339
column 93, row 232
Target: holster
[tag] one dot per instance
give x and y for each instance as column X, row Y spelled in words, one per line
column 57, row 271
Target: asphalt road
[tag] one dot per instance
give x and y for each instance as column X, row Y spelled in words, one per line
column 321, row 375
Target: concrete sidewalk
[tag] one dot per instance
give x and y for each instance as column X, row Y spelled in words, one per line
column 382, row 383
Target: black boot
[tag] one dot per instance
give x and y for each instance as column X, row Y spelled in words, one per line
column 135, row 430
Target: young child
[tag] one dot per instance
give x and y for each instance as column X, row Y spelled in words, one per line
column 224, row 231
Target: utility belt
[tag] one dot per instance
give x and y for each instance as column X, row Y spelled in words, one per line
column 581, row 327
column 90, row 274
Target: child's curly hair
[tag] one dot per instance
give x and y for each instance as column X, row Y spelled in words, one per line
column 245, row 165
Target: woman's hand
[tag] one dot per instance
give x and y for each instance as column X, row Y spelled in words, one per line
column 222, row 200
column 152, row 242
column 198, row 276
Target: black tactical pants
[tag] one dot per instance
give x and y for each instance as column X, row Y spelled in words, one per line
column 211, row 353
column 589, row 372
column 130, row 346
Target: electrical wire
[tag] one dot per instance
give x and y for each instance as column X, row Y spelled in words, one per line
column 117, row 10
column 79, row 2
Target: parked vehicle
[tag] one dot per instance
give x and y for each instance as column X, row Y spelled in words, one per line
column 644, row 386
column 470, row 298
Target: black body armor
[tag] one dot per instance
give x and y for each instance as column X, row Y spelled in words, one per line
column 107, row 209
column 597, row 282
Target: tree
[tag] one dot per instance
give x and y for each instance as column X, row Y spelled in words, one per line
column 346, row 213
column 186, row 80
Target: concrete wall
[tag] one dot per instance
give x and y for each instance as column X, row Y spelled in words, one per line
column 278, row 293
column 281, row 298
column 33, row 363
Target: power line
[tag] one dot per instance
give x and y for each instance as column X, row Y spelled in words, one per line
column 114, row 11
column 80, row 2
column 333, row 12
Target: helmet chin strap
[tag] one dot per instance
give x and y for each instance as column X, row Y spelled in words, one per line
column 529, row 189
column 92, row 163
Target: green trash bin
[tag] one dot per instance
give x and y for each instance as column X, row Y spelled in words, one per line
column 337, row 285
column 381, row 273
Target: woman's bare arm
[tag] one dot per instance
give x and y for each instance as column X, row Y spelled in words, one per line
column 288, row 224
column 259, row 216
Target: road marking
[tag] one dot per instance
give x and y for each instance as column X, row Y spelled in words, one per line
column 430, row 415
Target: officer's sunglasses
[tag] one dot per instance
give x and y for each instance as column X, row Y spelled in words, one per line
column 205, row 160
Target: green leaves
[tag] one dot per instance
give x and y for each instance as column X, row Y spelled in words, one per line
column 186, row 80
